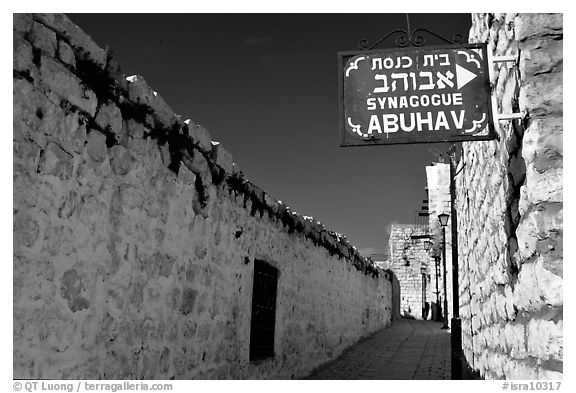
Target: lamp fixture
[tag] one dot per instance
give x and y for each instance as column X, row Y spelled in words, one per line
column 443, row 218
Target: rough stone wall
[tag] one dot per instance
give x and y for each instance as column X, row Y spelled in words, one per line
column 135, row 235
column 438, row 182
column 407, row 256
column 510, row 208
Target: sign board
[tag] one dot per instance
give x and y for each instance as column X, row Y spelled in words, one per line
column 415, row 95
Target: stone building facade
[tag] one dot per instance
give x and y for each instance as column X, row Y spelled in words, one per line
column 137, row 239
column 409, row 257
column 409, row 262
column 510, row 204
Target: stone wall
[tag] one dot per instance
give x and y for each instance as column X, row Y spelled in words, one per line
column 510, row 208
column 135, row 235
column 407, row 257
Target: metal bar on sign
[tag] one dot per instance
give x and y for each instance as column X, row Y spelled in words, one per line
column 511, row 116
column 505, row 59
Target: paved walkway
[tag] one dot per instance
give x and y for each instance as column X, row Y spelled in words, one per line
column 409, row 349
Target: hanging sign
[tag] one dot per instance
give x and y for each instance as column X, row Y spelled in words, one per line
column 415, row 95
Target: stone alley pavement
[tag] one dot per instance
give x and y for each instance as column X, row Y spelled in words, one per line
column 408, row 349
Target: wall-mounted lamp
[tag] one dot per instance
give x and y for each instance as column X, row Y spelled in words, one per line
column 443, row 218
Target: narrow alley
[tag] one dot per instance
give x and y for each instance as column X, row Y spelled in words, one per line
column 317, row 193
column 408, row 349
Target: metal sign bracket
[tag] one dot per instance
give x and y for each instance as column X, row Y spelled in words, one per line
column 515, row 60
column 507, row 59
column 511, row 116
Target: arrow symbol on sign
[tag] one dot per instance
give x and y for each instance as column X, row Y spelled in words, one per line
column 463, row 76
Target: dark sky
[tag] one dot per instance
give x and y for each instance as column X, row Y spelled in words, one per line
column 265, row 86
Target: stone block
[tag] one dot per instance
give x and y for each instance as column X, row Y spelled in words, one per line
column 65, row 128
column 544, row 374
column 480, row 28
column 259, row 193
column 542, row 144
column 188, row 300
column 541, row 187
column 186, row 175
column 536, row 227
column 164, row 115
column 29, row 104
column 67, row 85
column 200, row 136
column 199, row 166
column 25, row 229
column 509, row 25
column 82, row 43
column 121, row 160
column 23, row 57
column 109, row 118
column 21, row 23
column 530, row 25
column 545, row 339
column 25, row 191
column 138, row 146
column 43, row 38
column 96, row 146
column 71, row 287
column 271, row 203
column 76, row 141
column 537, row 287
column 132, row 197
column 509, row 96
column 540, row 56
column 222, row 158
column 501, row 306
column 520, row 370
column 141, row 94
column 165, row 154
column 503, row 42
column 134, row 128
column 66, row 54
column 514, row 336
column 56, row 162
column 114, row 71
column 44, row 118
column 26, row 154
column 153, row 155
column 542, row 95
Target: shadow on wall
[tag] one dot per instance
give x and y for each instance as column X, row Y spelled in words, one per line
column 395, row 295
